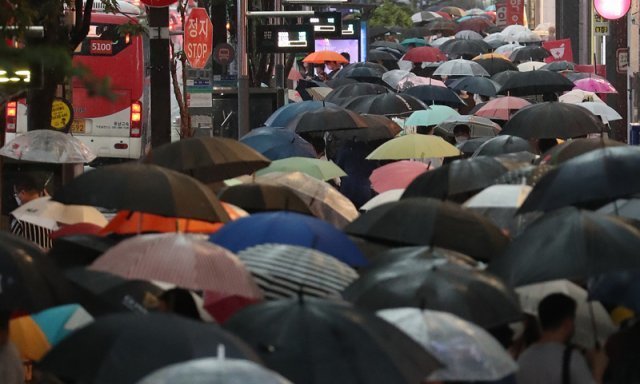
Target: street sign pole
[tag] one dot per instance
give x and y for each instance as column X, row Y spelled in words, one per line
column 243, row 70
column 160, row 74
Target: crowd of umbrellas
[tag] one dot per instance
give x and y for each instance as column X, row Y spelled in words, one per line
column 297, row 281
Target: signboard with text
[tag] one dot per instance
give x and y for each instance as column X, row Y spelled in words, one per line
column 198, row 38
column 510, row 12
column 600, row 25
column 560, row 50
column 622, row 60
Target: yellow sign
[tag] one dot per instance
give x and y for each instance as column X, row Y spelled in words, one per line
column 61, row 114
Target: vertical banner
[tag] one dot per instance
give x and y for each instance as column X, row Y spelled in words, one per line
column 560, row 50
column 510, row 12
column 501, row 14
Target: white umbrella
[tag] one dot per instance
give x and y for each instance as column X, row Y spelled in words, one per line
column 393, row 76
column 441, row 40
column 48, row 146
column 526, row 37
column 383, row 198
column 47, row 213
column 479, row 126
column 468, row 35
column 468, row 352
column 592, row 319
column 605, row 112
column 511, row 31
column 576, row 96
column 530, row 66
column 499, row 196
column 507, row 49
column 460, row 67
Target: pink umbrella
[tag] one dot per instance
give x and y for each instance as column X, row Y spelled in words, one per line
column 596, row 85
column 396, row 175
column 501, row 108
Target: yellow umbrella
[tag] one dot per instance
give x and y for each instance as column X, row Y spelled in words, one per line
column 414, row 146
column 29, row 338
column 485, row 56
column 320, row 169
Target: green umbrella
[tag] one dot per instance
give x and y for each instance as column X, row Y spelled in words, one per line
column 433, row 115
column 418, row 42
column 320, row 169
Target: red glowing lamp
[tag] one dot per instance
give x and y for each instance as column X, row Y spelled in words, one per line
column 612, row 9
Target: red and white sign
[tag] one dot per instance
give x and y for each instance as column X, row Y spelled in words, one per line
column 158, row 3
column 198, row 38
column 560, row 50
column 101, row 47
column 510, row 12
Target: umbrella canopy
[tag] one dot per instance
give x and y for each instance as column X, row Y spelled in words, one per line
column 529, row 175
column 278, row 143
column 379, row 128
column 596, row 177
column 464, row 49
column 179, row 259
column 319, row 341
column 576, row 96
column 318, row 168
column 262, row 197
column 396, row 175
column 381, row 55
column 368, row 72
column 616, row 288
column 530, row 66
column 433, row 115
column 348, row 91
column 433, row 94
column 526, row 37
column 411, row 80
column 289, row 271
column 320, row 57
column 443, row 26
column 423, row 221
column 479, row 126
column 288, row 228
column 576, row 147
column 414, row 146
column 28, row 338
column 424, row 17
column 495, row 40
column 388, row 104
column 460, row 67
column 328, row 118
column 501, row 145
column 388, row 44
column 529, row 53
column 467, row 147
column 424, row 55
column 453, row 11
column 145, row 188
column 394, row 76
column 458, row 180
column 508, row 49
column 59, row 322
column 535, row 83
column 322, row 199
column 283, row 115
column 559, row 66
column 48, row 146
column 593, row 324
column 468, row 34
column 383, row 198
column 568, row 244
column 501, row 108
column 468, row 352
column 503, row 76
column 477, row 85
column 214, row 370
column 145, row 344
column 591, row 84
column 134, row 223
column 499, row 203
column 43, row 210
column 495, row 65
column 605, row 112
column 477, row 24
column 415, row 41
column 552, row 120
column 208, row 159
column 319, row 93
column 441, row 285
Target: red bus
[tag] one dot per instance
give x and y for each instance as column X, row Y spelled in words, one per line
column 116, row 128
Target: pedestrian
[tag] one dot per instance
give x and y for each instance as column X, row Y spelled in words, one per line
column 26, row 189
column 11, row 368
column 553, row 360
column 334, row 68
column 461, row 133
column 180, row 302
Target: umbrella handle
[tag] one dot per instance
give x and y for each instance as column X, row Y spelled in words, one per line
column 594, row 326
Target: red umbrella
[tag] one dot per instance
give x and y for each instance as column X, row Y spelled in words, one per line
column 446, row 27
column 478, row 24
column 501, row 108
column 396, row 175
column 445, row 15
column 425, row 55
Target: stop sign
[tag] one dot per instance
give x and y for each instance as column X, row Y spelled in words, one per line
column 198, row 37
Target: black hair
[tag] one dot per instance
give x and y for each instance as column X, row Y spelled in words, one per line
column 346, row 55
column 26, row 183
column 5, row 317
column 546, row 144
column 554, row 309
column 461, row 129
column 179, row 301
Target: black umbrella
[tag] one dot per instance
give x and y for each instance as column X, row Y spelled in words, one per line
column 389, row 44
column 529, row 53
column 477, row 85
column 344, row 92
column 331, row 118
column 466, row 49
column 502, row 76
column 576, row 147
column 254, row 197
column 208, row 159
column 396, row 53
column 399, row 254
column 319, row 341
column 146, row 188
column 569, row 244
column 535, row 83
column 433, row 94
column 124, row 348
column 338, row 82
column 496, row 65
column 471, row 145
column 501, row 145
column 594, row 178
column 388, row 104
column 367, row 72
column 529, row 175
column 423, row 221
column 78, row 250
column 456, row 181
column 30, row 281
column 552, row 120
column 375, row 55
column 441, row 285
column 379, row 128
column 559, row 66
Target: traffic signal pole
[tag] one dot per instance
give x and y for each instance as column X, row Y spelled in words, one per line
column 243, row 70
column 160, row 76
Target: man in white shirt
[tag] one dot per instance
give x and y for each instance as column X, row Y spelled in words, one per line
column 552, row 360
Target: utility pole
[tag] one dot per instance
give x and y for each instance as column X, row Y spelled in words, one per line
column 243, row 70
column 160, row 76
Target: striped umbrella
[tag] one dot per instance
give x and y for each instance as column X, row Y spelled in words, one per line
column 284, row 271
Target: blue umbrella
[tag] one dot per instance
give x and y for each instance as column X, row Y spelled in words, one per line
column 278, row 143
column 283, row 115
column 288, row 228
column 59, row 322
column 617, row 288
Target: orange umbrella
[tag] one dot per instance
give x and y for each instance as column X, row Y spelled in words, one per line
column 127, row 222
column 486, row 56
column 320, row 57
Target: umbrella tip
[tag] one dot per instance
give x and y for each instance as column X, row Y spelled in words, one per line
column 221, row 352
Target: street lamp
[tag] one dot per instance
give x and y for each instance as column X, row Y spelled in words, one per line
column 612, row 9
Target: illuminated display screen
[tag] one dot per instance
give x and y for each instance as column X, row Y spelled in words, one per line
column 285, row 38
column 326, row 24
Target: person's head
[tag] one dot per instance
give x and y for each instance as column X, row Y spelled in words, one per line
column 26, row 189
column 546, row 144
column 332, row 65
column 5, row 317
column 556, row 314
column 347, row 56
column 461, row 133
column 180, row 302
column 319, row 69
column 425, row 130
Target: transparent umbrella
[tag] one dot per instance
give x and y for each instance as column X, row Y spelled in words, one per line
column 468, row 352
column 48, row 146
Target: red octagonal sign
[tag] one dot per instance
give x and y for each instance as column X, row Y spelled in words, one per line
column 157, row 3
column 198, row 38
